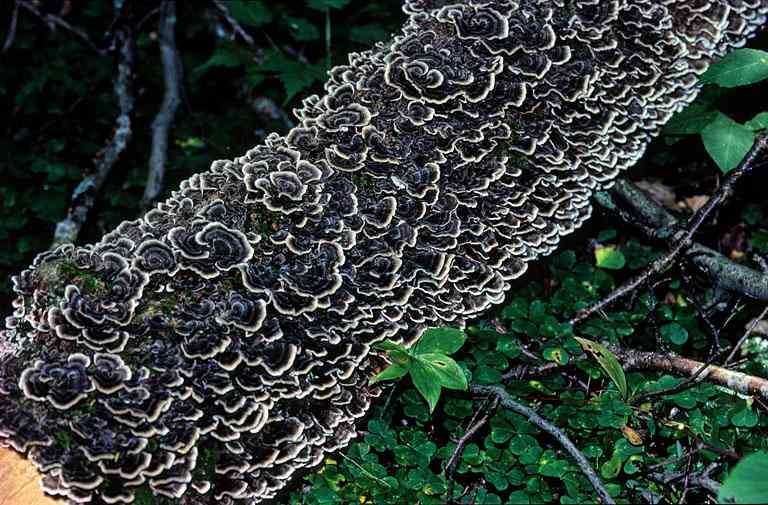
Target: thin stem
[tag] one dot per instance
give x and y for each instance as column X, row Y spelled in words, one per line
column 507, row 402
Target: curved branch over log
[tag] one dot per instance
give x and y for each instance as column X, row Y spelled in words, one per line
column 222, row 342
column 509, row 403
column 639, row 210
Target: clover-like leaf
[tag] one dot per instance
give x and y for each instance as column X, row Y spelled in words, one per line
column 610, row 258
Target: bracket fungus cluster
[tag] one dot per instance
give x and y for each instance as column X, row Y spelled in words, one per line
column 219, row 344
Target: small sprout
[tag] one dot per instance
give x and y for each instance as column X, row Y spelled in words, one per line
column 427, row 363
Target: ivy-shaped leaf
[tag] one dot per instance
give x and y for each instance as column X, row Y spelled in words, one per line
column 727, row 141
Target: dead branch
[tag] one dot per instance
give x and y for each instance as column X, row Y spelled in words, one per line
column 736, row 381
column 9, row 38
column 506, row 401
column 53, row 21
column 236, row 28
column 172, row 75
column 84, row 195
column 683, row 240
column 474, row 426
column 636, row 208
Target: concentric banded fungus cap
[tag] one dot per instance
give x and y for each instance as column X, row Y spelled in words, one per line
column 210, row 350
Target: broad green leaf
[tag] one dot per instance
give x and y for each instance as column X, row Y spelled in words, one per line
column 322, row 5
column 250, row 12
column 691, row 120
column 442, row 340
column 738, row 68
column 610, row 258
column 747, row 482
column 759, row 122
column 426, row 380
column 727, row 141
column 675, row 333
column 449, row 373
column 392, row 372
column 607, row 360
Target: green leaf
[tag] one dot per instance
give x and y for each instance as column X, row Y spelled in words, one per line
column 448, row 372
column 322, row 5
column 226, row 55
column 675, row 333
column 745, row 418
column 759, row 122
column 251, row 12
column 368, row 34
column 388, row 345
column 691, row 120
column 302, row 29
column 760, row 240
column 294, row 75
column 426, row 380
column 738, row 68
column 442, row 340
column 610, row 258
column 727, row 141
column 392, row 372
column 556, row 354
column 747, row 483
column 607, row 360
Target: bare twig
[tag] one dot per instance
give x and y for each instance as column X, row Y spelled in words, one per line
column 736, row 381
column 84, row 195
column 750, row 328
column 636, row 208
column 236, row 28
column 474, row 426
column 506, row 401
column 683, row 239
column 172, row 75
column 9, row 38
column 52, row 21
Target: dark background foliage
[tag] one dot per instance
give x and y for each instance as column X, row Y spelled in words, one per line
column 59, row 109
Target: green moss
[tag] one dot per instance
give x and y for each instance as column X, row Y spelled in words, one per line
column 57, row 275
column 63, row 438
column 206, row 463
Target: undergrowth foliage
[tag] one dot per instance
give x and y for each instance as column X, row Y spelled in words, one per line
column 401, row 456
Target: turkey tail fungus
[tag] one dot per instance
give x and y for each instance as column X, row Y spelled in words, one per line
column 222, row 342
